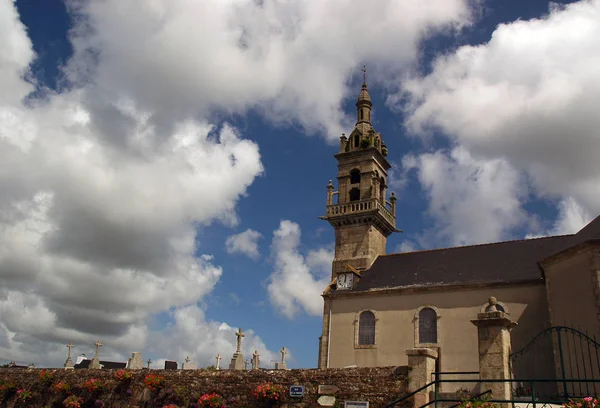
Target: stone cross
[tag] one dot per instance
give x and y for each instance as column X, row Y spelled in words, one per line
column 239, row 335
column 149, row 361
column 283, row 353
column 98, row 345
column 187, row 359
column 218, row 361
column 69, row 362
column 255, row 360
column 246, row 362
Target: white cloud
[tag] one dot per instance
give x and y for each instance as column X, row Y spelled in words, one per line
column 244, row 243
column 472, row 200
column 190, row 334
column 288, row 59
column 98, row 216
column 571, row 218
column 405, row 246
column 298, row 281
column 528, row 98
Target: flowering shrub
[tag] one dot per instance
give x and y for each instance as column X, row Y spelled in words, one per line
column 476, row 403
column 72, row 402
column 99, row 404
column 170, row 406
column 154, row 381
column 587, row 402
column 123, row 375
column 269, row 391
column 61, row 387
column 7, row 388
column 24, row 396
column 93, row 384
column 46, row 377
column 212, row 400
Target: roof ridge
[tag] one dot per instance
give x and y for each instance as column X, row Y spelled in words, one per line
column 479, row 245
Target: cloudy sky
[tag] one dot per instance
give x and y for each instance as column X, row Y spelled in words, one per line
column 163, row 164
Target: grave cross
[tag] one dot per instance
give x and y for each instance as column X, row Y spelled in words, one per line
column 218, row 361
column 149, row 361
column 239, row 335
column 283, row 353
column 246, row 362
column 255, row 360
column 187, row 359
column 98, row 345
column 69, row 346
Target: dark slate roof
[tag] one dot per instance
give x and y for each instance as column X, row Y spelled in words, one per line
column 106, row 364
column 590, row 231
column 502, row 262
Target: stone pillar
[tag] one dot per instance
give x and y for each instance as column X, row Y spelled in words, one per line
column 421, row 366
column 324, row 339
column 343, row 142
column 493, row 333
column 330, row 192
column 393, row 204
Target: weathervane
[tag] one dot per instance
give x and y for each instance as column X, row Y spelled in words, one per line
column 364, row 71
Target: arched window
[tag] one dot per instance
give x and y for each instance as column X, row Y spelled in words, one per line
column 366, row 328
column 361, row 114
column 356, row 140
column 427, row 325
column 382, row 187
column 354, row 176
column 354, row 194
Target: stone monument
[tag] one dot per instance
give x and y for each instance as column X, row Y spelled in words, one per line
column 149, row 361
column 255, row 360
column 237, row 362
column 188, row 365
column 135, row 361
column 69, row 362
column 218, row 366
column 281, row 365
column 95, row 364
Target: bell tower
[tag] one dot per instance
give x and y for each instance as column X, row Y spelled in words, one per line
column 359, row 211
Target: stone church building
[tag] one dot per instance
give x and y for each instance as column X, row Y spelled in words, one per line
column 379, row 305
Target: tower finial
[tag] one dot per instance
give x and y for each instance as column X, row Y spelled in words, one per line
column 364, row 71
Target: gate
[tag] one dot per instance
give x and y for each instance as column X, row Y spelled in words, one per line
column 561, row 353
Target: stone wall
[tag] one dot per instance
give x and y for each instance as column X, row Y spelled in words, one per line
column 183, row 387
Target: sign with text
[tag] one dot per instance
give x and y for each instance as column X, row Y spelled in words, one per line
column 326, row 401
column 296, row 391
column 328, row 389
column 356, row 404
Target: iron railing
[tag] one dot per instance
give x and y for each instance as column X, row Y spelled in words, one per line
column 533, row 399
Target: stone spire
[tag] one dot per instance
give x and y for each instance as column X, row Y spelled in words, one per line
column 363, row 104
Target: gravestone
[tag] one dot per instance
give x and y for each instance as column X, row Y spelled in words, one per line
column 188, row 365
column 255, row 360
column 170, row 365
column 281, row 365
column 237, row 361
column 135, row 361
column 69, row 362
column 95, row 363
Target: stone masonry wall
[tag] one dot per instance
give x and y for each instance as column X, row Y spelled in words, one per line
column 183, row 387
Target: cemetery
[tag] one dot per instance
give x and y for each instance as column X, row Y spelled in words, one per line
column 99, row 384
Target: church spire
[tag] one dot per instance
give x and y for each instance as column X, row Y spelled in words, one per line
column 363, row 104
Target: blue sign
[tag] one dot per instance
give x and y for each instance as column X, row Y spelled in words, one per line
column 297, row 391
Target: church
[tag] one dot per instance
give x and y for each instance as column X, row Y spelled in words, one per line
column 379, row 305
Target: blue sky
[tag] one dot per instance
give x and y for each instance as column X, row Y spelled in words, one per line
column 164, row 166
